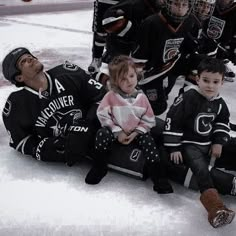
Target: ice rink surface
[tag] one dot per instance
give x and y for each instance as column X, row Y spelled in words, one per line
column 48, row 199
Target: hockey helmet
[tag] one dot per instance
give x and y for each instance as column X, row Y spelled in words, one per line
column 178, row 10
column 203, row 9
column 9, row 64
column 223, row 5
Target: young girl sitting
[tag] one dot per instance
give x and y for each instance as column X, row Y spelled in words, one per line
column 126, row 116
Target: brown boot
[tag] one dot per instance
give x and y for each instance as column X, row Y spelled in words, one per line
column 218, row 214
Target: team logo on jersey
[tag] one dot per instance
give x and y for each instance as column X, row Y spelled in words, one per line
column 178, row 100
column 70, row 66
column 203, row 123
column 171, row 48
column 152, row 94
column 215, row 28
column 135, row 155
column 62, row 120
column 7, row 109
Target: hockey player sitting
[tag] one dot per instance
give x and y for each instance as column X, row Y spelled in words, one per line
column 196, row 129
column 53, row 116
column 126, row 116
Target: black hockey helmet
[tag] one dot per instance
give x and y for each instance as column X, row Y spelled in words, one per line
column 203, row 9
column 223, row 5
column 179, row 4
column 9, row 67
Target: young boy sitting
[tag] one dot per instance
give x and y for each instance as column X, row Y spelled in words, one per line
column 196, row 128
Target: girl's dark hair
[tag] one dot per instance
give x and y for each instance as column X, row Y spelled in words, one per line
column 118, row 67
column 213, row 65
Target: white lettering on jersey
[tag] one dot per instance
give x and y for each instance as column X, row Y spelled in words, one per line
column 95, row 83
column 59, row 86
column 171, row 48
column 53, row 106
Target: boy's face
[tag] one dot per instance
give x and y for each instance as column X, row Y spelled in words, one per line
column 210, row 83
column 179, row 7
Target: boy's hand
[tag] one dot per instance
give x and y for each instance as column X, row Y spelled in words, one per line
column 176, row 157
column 216, row 150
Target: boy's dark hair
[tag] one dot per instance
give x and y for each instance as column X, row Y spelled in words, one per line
column 213, row 65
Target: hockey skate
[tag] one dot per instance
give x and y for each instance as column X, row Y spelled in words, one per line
column 95, row 65
column 229, row 74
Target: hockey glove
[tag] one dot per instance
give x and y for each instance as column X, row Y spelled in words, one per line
column 77, row 141
column 51, row 149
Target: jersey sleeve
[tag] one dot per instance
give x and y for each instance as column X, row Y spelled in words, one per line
column 89, row 90
column 173, row 130
column 21, row 138
column 221, row 127
column 140, row 54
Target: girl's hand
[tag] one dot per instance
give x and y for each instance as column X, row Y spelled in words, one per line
column 122, row 136
column 130, row 137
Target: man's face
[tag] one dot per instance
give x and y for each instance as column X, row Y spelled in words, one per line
column 179, row 7
column 29, row 66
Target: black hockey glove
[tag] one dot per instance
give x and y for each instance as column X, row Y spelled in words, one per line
column 78, row 139
column 51, row 149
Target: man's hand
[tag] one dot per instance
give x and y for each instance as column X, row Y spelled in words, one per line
column 176, row 157
column 216, row 150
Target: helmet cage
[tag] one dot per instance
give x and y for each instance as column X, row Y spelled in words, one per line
column 176, row 18
column 199, row 9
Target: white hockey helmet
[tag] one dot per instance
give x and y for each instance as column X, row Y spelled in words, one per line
column 178, row 10
column 203, row 9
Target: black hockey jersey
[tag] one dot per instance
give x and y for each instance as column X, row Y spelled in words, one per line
column 159, row 45
column 220, row 28
column 194, row 119
column 30, row 116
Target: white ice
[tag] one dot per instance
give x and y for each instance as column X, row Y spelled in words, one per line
column 39, row 198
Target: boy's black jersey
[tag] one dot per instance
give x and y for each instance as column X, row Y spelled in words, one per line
column 160, row 43
column 195, row 120
column 30, row 116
